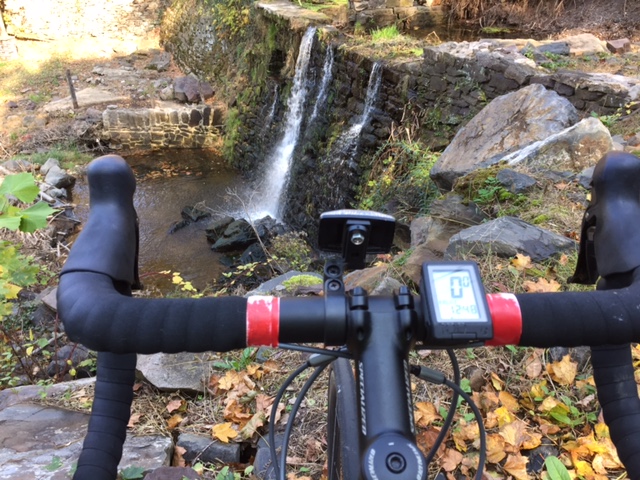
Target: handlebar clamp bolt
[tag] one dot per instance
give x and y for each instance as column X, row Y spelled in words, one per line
column 334, row 285
column 357, row 238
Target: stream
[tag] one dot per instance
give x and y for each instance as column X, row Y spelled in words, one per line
column 166, row 182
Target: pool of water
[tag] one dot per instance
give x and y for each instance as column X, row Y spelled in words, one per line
column 166, row 182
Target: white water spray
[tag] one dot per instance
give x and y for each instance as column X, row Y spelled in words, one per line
column 327, row 75
column 280, row 159
column 348, row 142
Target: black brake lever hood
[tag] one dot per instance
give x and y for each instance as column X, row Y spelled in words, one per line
column 610, row 233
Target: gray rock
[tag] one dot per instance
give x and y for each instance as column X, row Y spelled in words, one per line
column 207, row 450
column 515, row 182
column 506, row 237
column 585, row 44
column 262, row 462
column 177, row 371
column 507, row 124
column 190, row 89
column 216, row 228
column 160, row 62
column 50, row 163
column 166, row 93
column 57, row 193
column 419, row 230
column 237, row 236
column 572, row 149
column 555, row 48
column 45, row 443
column 58, row 178
column 16, row 166
column 585, row 176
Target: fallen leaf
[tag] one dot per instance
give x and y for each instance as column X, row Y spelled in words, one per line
column 508, row 401
column 450, row 460
column 516, row 465
column 521, row 262
column 425, row 413
column 133, row 419
column 252, row 426
column 178, row 456
column 174, row 405
column 496, row 381
column 533, row 367
column 564, row 372
column 495, row 448
column 174, row 421
column 224, row 432
column 542, row 285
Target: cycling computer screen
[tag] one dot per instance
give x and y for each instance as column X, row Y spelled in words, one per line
column 453, row 294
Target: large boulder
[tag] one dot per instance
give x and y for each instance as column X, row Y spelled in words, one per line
column 507, row 124
column 506, row 237
column 574, row 149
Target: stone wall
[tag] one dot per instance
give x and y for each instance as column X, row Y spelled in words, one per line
column 58, row 19
column 160, row 128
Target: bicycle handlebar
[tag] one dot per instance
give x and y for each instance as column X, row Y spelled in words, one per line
column 95, row 282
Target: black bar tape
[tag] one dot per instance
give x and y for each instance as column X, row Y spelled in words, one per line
column 618, row 395
column 102, row 447
column 580, row 318
column 97, row 316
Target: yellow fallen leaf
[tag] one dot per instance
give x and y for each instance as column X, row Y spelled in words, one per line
column 224, row 432
column 174, row 421
column 495, row 448
column 521, row 262
column 425, row 413
column 508, row 401
column 12, row 292
column 541, row 286
column 496, row 381
column 564, row 372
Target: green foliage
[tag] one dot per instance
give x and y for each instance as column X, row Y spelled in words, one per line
column 399, row 175
column 291, row 251
column 22, row 186
column 237, row 362
column 16, row 270
column 132, row 473
column 232, row 133
column 384, row 34
column 555, row 469
column 231, row 18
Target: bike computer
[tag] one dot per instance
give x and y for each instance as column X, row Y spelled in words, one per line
column 453, row 295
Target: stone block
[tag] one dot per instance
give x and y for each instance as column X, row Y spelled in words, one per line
column 564, row 90
column 622, row 45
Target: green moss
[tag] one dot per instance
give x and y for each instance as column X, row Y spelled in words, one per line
column 301, row 281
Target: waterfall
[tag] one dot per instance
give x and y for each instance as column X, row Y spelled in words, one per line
column 347, row 144
column 272, row 110
column 280, row 160
column 324, row 85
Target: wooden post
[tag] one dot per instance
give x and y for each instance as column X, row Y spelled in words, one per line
column 74, row 100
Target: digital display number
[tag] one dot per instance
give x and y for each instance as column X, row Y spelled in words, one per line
column 455, row 296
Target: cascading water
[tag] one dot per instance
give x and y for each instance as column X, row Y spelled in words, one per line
column 327, row 74
column 348, row 142
column 280, row 160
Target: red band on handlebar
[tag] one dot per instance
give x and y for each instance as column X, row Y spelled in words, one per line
column 263, row 321
column 506, row 317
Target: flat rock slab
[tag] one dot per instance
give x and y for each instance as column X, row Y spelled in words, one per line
column 86, row 98
column 43, row 443
column 299, row 18
column 177, row 371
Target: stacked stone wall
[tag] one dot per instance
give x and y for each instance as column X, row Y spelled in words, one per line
column 161, row 128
